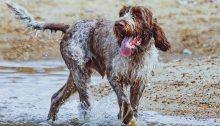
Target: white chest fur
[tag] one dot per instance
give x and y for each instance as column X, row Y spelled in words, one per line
column 124, row 67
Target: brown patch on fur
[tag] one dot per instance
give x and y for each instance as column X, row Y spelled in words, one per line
column 124, row 10
column 56, row 26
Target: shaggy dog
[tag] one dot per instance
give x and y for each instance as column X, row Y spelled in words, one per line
column 122, row 50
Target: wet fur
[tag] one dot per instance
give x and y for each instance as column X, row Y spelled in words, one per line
column 94, row 45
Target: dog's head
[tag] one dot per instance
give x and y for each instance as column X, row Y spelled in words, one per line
column 134, row 29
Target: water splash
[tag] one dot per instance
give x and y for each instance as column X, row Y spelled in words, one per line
column 49, row 34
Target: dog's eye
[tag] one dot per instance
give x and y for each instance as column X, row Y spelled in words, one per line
column 135, row 15
column 121, row 14
column 136, row 12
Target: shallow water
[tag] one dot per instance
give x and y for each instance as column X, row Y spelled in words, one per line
column 26, row 89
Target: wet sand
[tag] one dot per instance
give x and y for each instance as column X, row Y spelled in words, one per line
column 187, row 90
column 188, row 87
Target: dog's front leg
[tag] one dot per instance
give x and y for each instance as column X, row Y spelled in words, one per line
column 125, row 112
column 136, row 91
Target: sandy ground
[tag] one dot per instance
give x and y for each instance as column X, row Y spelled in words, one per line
column 182, row 87
column 185, row 85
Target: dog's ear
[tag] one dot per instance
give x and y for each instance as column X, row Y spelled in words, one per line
column 161, row 41
column 123, row 10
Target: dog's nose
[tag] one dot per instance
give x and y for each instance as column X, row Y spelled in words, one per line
column 120, row 24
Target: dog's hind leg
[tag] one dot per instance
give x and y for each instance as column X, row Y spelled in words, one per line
column 60, row 97
column 82, row 77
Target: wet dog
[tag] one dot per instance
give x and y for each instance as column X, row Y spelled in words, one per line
column 123, row 50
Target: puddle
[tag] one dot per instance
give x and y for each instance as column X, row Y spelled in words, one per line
column 26, row 89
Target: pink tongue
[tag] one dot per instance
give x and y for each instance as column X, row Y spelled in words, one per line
column 125, row 49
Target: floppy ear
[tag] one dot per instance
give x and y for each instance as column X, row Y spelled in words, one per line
column 161, row 41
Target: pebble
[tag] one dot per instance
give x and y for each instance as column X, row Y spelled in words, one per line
column 186, row 2
column 187, row 52
column 216, row 1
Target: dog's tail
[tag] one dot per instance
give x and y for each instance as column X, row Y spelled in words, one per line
column 23, row 15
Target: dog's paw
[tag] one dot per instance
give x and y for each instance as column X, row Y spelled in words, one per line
column 52, row 116
column 85, row 114
column 133, row 122
column 84, row 111
column 126, row 113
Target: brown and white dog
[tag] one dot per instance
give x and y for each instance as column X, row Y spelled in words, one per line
column 122, row 50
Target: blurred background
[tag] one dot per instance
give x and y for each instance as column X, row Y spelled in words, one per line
column 192, row 26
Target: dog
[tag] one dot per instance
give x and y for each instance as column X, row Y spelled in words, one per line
column 122, row 50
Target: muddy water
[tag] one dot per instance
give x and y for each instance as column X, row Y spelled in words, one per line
column 26, row 89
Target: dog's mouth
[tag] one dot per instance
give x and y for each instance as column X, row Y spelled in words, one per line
column 128, row 44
